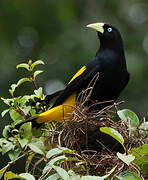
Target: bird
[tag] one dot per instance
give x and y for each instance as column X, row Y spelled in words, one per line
column 109, row 62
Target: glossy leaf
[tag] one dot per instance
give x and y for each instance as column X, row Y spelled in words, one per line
column 23, row 65
column 129, row 116
column 37, row 146
column 58, row 158
column 23, row 142
column 2, row 171
column 26, row 109
column 141, row 158
column 5, row 145
column 33, row 65
column 13, row 86
column 127, row 159
column 53, row 177
column 26, row 131
column 7, row 101
column 4, row 112
column 57, row 151
column 73, row 176
column 21, row 81
column 115, row 134
column 128, row 175
column 27, row 176
column 13, row 154
column 144, row 128
column 28, row 161
column 15, row 115
column 10, row 175
column 36, row 73
column 49, row 165
column 7, row 129
column 39, row 92
column 62, row 173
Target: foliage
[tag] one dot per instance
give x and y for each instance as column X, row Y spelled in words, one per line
column 48, row 159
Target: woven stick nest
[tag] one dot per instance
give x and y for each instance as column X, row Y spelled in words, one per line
column 82, row 133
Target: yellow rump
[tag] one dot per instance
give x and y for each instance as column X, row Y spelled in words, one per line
column 59, row 113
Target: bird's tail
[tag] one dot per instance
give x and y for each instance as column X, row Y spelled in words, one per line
column 32, row 120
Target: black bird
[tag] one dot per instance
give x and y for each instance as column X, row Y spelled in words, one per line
column 109, row 62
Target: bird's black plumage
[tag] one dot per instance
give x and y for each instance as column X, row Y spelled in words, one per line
column 111, row 65
column 109, row 62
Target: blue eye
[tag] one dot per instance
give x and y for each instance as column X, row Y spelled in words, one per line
column 109, row 29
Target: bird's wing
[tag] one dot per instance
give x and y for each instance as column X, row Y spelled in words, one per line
column 80, row 80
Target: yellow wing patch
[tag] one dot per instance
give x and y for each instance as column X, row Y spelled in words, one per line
column 78, row 74
column 59, row 113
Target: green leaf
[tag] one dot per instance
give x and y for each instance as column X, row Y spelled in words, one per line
column 128, row 175
column 10, row 175
column 23, row 142
column 73, row 159
column 14, row 154
column 13, row 86
column 37, row 132
column 115, row 134
column 57, row 151
column 39, row 92
column 15, row 116
column 4, row 112
column 27, row 176
column 26, row 109
column 32, row 112
column 26, row 131
column 37, row 146
column 127, row 159
column 53, row 177
column 62, row 173
column 49, row 165
column 28, row 161
column 73, row 176
column 21, row 81
column 7, row 129
column 2, row 171
column 36, row 73
column 130, row 117
column 7, row 101
column 59, row 158
column 47, row 168
column 5, row 145
column 22, row 101
column 33, row 65
column 143, row 128
column 141, row 158
column 23, row 65
column 78, row 177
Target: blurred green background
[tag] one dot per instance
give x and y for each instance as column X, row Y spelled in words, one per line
column 55, row 32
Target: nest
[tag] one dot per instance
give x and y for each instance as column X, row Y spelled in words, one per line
column 82, row 133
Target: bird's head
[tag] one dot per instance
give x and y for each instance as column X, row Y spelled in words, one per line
column 108, row 34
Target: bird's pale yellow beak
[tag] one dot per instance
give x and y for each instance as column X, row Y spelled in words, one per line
column 97, row 26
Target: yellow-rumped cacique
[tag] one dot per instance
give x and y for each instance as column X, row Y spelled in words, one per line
column 109, row 62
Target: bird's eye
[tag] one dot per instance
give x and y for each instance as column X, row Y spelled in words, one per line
column 109, row 29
